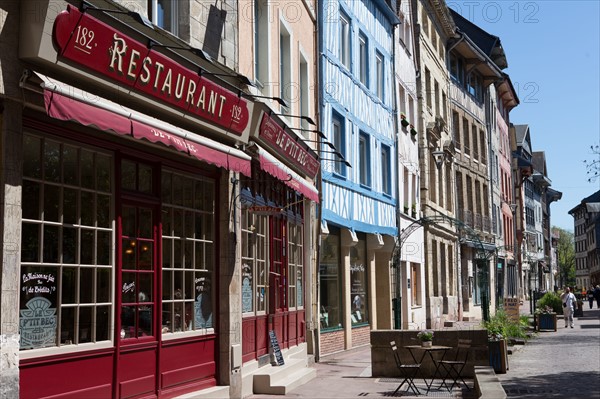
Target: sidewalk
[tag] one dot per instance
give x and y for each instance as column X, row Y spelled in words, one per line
column 564, row 364
column 561, row 364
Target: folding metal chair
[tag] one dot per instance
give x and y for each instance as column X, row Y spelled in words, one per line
column 453, row 368
column 407, row 371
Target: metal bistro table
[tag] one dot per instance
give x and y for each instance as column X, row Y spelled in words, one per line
column 430, row 350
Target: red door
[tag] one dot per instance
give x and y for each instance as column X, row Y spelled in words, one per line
column 278, row 277
column 136, row 319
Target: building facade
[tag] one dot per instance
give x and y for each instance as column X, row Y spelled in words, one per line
column 152, row 195
column 359, row 176
column 408, row 276
column 586, row 233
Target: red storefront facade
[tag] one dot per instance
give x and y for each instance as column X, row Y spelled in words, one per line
column 126, row 253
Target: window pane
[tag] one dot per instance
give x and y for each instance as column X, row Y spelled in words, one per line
column 145, row 179
column 51, row 203
column 128, row 175
column 129, row 254
column 32, row 164
column 103, row 285
column 30, row 199
column 103, row 173
column 87, row 247
column 128, row 322
column 69, row 285
column 86, row 285
column 69, row 245
column 67, row 326
column 51, row 254
column 128, row 289
column 146, row 249
column 145, row 322
column 102, row 323
column 104, row 252
column 85, row 324
column 52, row 161
column 88, row 214
column 146, row 287
column 167, row 290
column 70, row 205
column 70, row 165
column 87, row 169
column 103, row 210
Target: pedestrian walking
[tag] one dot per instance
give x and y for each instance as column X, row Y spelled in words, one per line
column 590, row 296
column 568, row 300
column 597, row 295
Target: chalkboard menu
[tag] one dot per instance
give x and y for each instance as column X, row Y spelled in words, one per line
column 276, row 348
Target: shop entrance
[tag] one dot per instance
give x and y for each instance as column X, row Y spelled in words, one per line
column 278, row 277
column 136, row 321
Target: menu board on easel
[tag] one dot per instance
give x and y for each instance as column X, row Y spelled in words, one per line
column 276, row 348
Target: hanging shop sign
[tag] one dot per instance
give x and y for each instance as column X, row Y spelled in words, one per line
column 90, row 42
column 271, row 133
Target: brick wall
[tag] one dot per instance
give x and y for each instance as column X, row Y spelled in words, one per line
column 332, row 342
column 361, row 336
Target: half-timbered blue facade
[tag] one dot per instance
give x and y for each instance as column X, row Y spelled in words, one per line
column 359, row 188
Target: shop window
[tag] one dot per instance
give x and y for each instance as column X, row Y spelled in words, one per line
column 295, row 265
column 254, row 263
column 66, row 274
column 359, row 283
column 188, row 253
column 330, row 281
column 285, row 66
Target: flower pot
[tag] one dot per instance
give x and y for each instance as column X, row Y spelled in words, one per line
column 498, row 353
column 404, row 123
column 546, row 321
column 426, row 344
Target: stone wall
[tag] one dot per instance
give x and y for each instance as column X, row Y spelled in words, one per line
column 382, row 359
column 332, row 342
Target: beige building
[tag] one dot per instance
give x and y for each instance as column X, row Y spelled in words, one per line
column 436, row 152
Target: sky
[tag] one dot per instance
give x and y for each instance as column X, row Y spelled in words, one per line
column 552, row 48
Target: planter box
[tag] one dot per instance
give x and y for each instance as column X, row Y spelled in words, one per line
column 546, row 322
column 498, row 352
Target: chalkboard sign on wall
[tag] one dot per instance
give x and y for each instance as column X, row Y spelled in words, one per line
column 276, row 348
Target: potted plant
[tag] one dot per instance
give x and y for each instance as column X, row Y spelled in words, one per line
column 403, row 120
column 546, row 318
column 413, row 131
column 414, row 211
column 426, row 337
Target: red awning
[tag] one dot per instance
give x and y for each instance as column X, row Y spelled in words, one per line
column 91, row 110
column 275, row 168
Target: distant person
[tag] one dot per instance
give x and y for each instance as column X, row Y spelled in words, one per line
column 590, row 296
column 568, row 300
column 597, row 295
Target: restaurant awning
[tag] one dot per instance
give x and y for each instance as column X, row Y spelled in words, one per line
column 277, row 169
column 69, row 103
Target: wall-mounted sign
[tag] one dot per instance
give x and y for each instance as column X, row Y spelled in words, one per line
column 37, row 316
column 287, row 146
column 90, row 42
column 265, row 210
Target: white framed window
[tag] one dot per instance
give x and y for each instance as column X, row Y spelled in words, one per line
column 344, row 53
column 285, row 66
column 337, row 127
column 165, row 14
column 261, row 42
column 364, row 159
column 255, row 298
column 363, row 59
column 386, row 180
column 67, row 235
column 303, row 92
column 380, row 76
column 188, row 253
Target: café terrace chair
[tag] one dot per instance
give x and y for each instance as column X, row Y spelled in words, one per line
column 407, row 371
column 452, row 369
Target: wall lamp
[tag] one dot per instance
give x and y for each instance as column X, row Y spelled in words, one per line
column 439, row 157
column 253, row 96
column 327, row 143
column 318, row 132
column 306, row 118
column 85, row 6
column 199, row 52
